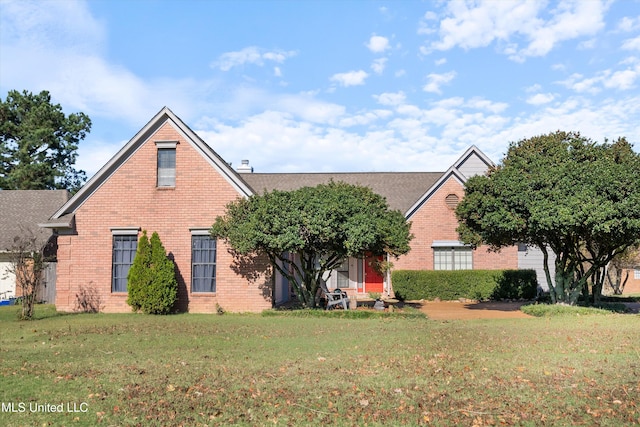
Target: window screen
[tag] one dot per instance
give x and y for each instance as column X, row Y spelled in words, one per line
column 452, row 258
column 203, row 264
column 124, row 251
column 166, row 167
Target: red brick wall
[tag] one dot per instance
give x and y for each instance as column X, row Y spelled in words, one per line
column 130, row 198
column 436, row 221
column 633, row 285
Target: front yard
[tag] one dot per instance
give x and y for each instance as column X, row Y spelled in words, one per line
column 197, row 370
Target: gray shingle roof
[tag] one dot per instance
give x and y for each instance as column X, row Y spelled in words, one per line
column 401, row 189
column 22, row 210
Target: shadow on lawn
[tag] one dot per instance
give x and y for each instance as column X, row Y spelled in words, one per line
column 497, row 305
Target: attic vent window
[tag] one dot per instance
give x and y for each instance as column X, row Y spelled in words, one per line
column 452, row 201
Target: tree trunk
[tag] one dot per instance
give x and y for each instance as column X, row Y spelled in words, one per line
column 547, row 274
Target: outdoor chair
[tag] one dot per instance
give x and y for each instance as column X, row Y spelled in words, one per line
column 335, row 297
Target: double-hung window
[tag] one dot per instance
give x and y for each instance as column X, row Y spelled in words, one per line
column 452, row 256
column 166, row 163
column 343, row 275
column 203, row 263
column 123, row 253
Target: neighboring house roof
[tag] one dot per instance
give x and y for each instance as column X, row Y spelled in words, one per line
column 23, row 210
column 401, row 189
column 64, row 215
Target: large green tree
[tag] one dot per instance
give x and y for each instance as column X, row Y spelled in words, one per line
column 560, row 192
column 321, row 226
column 38, row 143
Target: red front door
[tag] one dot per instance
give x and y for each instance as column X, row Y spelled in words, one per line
column 373, row 281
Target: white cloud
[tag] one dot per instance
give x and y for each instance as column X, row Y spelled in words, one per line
column 351, row 78
column 307, row 108
column 389, row 98
column 250, row 55
column 623, row 79
column 631, row 44
column 365, row 118
column 578, row 83
column 436, row 80
column 425, row 26
column 485, row 104
column 519, row 26
column 540, row 99
column 533, row 88
column 628, row 24
column 378, row 44
column 91, row 157
column 50, row 25
column 571, row 20
column 57, row 46
column 483, row 22
column 379, row 65
column 441, row 61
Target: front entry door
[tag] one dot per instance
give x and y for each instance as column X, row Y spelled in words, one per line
column 373, row 280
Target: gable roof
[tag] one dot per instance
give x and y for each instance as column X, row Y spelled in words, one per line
column 24, row 210
column 472, row 162
column 401, row 189
column 404, row 191
column 63, row 216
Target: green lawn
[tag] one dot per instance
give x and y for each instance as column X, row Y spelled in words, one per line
column 197, row 370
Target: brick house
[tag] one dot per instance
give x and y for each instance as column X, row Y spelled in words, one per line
column 632, row 285
column 166, row 179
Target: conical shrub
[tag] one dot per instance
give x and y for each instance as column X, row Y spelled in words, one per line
column 152, row 284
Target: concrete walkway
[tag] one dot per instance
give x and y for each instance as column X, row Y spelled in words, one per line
column 456, row 310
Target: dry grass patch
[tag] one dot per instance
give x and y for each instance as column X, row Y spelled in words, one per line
column 202, row 370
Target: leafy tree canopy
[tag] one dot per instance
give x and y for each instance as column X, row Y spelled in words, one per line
column 321, row 226
column 38, row 143
column 559, row 191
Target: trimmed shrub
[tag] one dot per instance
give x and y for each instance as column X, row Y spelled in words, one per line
column 470, row 284
column 516, row 284
column 139, row 278
column 152, row 286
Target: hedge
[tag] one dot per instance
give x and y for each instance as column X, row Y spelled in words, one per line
column 470, row 284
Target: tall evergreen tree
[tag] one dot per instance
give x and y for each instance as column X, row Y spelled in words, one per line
column 39, row 143
column 139, row 273
column 152, row 284
column 162, row 292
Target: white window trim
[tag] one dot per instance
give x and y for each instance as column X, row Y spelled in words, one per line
column 124, row 231
column 166, row 144
column 448, row 244
column 199, row 231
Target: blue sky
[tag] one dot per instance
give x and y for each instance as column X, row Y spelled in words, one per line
column 299, row 86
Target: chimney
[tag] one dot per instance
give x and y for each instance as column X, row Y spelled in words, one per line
column 244, row 167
